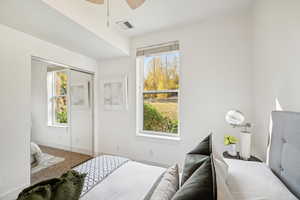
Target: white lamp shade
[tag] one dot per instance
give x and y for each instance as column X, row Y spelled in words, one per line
column 235, row 117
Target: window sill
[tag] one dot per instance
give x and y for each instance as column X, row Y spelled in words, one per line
column 58, row 126
column 156, row 136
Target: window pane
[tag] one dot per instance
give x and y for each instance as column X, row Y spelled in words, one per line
column 161, row 112
column 61, row 80
column 161, row 72
column 60, row 110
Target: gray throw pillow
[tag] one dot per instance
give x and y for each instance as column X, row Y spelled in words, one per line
column 168, row 185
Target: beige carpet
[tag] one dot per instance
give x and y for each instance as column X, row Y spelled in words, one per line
column 47, row 161
column 71, row 160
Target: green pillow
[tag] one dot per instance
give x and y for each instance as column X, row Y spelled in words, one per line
column 195, row 158
column 37, row 193
column 70, row 186
column 44, row 185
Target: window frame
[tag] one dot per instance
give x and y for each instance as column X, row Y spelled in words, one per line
column 52, row 96
column 140, row 100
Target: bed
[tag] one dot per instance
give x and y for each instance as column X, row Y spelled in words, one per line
column 280, row 180
column 117, row 178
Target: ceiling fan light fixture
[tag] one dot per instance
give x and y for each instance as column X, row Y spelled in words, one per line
column 135, row 3
column 96, row 1
column 132, row 3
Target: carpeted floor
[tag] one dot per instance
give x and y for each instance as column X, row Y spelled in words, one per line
column 71, row 160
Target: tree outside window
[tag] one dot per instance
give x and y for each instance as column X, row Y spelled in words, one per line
column 58, row 97
column 160, row 93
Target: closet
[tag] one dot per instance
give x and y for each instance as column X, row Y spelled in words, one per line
column 61, row 118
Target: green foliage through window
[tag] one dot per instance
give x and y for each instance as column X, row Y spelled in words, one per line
column 155, row 121
column 61, row 102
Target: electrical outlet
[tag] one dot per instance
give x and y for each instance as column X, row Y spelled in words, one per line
column 151, row 153
column 118, row 148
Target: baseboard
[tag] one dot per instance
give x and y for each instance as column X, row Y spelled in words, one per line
column 13, row 194
column 65, row 148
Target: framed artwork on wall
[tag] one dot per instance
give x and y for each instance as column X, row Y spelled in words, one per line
column 115, row 93
column 80, row 96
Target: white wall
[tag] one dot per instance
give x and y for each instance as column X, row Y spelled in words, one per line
column 276, row 62
column 16, row 49
column 215, row 77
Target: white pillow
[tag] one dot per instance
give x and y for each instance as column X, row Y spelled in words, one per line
column 223, row 192
column 219, row 158
column 36, row 151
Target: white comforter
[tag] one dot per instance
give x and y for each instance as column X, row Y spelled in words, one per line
column 246, row 180
column 132, row 181
column 255, row 181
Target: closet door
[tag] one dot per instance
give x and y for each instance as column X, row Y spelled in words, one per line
column 81, row 112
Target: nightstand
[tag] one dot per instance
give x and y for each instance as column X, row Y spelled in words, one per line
column 253, row 158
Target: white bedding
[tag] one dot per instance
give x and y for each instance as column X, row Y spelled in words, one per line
column 132, row 181
column 255, row 181
column 246, row 181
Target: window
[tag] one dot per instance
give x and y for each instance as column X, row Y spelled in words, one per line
column 57, row 83
column 158, row 90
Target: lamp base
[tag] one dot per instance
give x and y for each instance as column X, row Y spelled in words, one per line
column 245, row 145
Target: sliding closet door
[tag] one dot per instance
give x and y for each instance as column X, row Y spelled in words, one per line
column 81, row 112
column 47, row 129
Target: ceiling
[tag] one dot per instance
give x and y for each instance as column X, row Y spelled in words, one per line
column 155, row 15
column 40, row 20
column 81, row 26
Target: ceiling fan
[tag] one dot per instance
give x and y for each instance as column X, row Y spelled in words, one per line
column 132, row 3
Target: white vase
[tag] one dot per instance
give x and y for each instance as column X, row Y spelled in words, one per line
column 232, row 150
column 245, row 145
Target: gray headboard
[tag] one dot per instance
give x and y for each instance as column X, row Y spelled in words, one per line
column 284, row 156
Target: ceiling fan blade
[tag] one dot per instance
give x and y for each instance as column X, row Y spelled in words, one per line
column 96, row 1
column 135, row 3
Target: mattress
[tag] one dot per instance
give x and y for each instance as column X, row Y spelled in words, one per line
column 132, row 181
column 255, row 181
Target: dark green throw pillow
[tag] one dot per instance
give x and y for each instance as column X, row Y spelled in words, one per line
column 195, row 158
column 70, row 186
column 191, row 164
column 200, row 186
column 204, row 147
column 37, row 193
column 47, row 184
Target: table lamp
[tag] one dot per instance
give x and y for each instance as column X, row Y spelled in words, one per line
column 236, row 119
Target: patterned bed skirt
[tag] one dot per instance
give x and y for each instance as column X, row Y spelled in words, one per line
column 97, row 169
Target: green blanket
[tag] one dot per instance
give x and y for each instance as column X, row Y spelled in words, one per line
column 67, row 187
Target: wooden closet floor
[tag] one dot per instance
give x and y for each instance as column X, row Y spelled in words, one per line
column 72, row 159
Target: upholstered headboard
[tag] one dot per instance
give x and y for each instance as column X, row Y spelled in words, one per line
column 284, row 155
